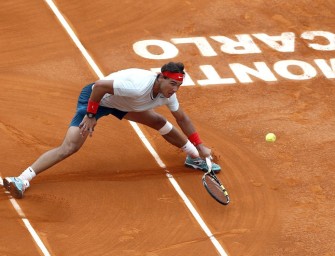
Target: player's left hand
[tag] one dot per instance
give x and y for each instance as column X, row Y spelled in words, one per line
column 204, row 151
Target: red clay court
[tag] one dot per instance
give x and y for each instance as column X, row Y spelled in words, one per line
column 253, row 67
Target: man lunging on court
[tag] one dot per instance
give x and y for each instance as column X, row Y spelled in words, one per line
column 131, row 94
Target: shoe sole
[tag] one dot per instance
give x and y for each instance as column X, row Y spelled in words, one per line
column 202, row 169
column 10, row 186
column 6, row 184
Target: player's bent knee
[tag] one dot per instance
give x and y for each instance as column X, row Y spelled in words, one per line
column 166, row 128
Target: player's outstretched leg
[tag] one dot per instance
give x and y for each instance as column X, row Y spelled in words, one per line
column 72, row 143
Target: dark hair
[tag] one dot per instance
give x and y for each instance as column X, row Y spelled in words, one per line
column 174, row 67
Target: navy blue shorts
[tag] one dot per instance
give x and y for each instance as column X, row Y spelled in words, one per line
column 82, row 106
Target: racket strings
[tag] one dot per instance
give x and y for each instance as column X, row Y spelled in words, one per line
column 215, row 189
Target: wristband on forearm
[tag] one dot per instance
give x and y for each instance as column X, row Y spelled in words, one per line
column 92, row 107
column 195, row 139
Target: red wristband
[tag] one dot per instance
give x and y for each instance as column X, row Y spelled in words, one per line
column 195, row 139
column 92, row 107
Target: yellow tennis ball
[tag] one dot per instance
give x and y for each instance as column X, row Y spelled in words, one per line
column 270, row 137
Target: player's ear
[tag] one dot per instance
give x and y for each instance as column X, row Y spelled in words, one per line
column 160, row 76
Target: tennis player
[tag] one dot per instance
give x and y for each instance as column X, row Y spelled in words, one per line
column 130, row 94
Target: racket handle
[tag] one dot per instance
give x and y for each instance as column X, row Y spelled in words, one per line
column 209, row 163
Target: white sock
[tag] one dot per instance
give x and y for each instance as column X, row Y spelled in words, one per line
column 28, row 174
column 26, row 184
column 190, row 149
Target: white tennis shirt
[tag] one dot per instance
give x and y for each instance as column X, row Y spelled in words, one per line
column 133, row 92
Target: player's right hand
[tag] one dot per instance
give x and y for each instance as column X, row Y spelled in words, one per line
column 87, row 126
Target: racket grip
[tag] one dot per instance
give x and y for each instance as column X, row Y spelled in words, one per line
column 209, row 163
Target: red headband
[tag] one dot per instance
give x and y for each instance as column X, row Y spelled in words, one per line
column 176, row 76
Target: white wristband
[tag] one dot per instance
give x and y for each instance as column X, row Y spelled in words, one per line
column 190, row 149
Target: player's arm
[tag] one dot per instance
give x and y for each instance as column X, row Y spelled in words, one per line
column 101, row 87
column 186, row 125
column 184, row 121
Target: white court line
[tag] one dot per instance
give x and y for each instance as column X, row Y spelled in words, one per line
column 74, row 38
column 181, row 193
column 26, row 222
column 138, row 131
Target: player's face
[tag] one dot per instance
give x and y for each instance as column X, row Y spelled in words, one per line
column 169, row 86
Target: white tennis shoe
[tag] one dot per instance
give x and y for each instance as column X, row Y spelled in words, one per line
column 15, row 186
column 199, row 163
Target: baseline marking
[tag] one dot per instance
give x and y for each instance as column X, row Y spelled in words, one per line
column 26, row 222
column 140, row 134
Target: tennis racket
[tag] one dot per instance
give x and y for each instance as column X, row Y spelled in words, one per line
column 213, row 185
